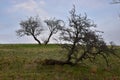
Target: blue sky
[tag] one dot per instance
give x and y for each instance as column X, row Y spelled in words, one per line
column 104, row 14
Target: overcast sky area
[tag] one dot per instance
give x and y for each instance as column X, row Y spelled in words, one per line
column 104, row 14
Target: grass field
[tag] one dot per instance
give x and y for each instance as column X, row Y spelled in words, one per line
column 23, row 62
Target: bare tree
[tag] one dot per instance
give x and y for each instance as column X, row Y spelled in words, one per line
column 31, row 27
column 82, row 41
column 54, row 26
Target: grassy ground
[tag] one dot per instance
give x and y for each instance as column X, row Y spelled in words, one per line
column 23, row 62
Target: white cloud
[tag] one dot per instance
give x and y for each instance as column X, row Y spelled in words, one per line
column 30, row 7
column 42, row 2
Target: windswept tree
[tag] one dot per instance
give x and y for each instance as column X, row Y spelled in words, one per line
column 54, row 26
column 82, row 40
column 31, row 27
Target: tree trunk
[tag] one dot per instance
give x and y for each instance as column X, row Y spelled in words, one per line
column 36, row 39
column 70, row 53
column 48, row 38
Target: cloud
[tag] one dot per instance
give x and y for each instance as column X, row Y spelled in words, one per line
column 29, row 7
column 42, row 3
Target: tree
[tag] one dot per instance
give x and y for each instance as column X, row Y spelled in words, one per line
column 82, row 41
column 54, row 26
column 31, row 27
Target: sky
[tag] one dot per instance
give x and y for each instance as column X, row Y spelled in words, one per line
column 104, row 14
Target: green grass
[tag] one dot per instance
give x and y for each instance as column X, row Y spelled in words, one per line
column 21, row 62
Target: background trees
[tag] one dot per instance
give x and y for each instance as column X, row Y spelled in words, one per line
column 54, row 26
column 31, row 27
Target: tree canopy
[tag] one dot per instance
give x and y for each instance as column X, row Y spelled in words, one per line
column 82, row 40
column 54, row 26
column 31, row 27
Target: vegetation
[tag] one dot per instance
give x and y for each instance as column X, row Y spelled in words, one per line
column 82, row 41
column 81, row 45
column 26, row 62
